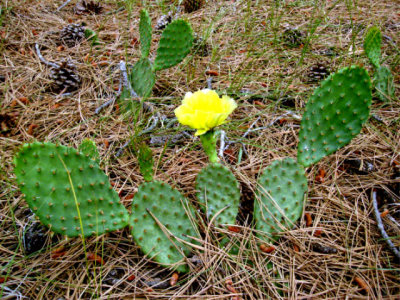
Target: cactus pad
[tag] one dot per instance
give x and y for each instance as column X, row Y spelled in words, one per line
column 219, row 194
column 334, row 114
column 159, row 218
column 279, row 197
column 67, row 190
column 372, row 45
column 145, row 158
column 142, row 77
column 89, row 148
column 383, row 83
column 175, row 43
column 145, row 33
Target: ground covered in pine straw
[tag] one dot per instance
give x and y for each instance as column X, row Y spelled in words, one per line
column 334, row 252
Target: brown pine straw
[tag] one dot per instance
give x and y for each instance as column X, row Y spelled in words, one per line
column 255, row 67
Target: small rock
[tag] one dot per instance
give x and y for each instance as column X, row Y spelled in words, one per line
column 157, row 283
column 35, row 238
column 323, row 249
column 357, row 166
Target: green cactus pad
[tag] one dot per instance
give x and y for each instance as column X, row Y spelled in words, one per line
column 334, row 114
column 142, row 77
column 68, row 191
column 383, row 83
column 145, row 33
column 145, row 158
column 175, row 43
column 89, row 148
column 279, row 197
column 372, row 45
column 159, row 217
column 219, row 194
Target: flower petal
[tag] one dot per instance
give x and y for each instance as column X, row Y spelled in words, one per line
column 204, row 110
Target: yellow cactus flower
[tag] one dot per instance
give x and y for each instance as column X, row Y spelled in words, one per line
column 204, row 110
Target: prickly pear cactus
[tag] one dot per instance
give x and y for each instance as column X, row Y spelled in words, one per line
column 334, row 114
column 89, row 148
column 175, row 43
column 279, row 197
column 383, row 83
column 142, row 77
column 145, row 158
column 160, row 217
column 219, row 194
column 145, row 33
column 67, row 190
column 372, row 45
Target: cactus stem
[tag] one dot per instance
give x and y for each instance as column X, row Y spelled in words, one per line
column 209, row 143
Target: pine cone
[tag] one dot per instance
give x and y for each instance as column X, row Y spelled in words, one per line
column 7, row 124
column 72, row 35
column 317, row 73
column 65, row 78
column 87, row 7
column 192, row 5
column 293, row 37
column 201, row 47
column 163, row 21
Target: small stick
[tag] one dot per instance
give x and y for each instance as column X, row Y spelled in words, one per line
column 63, row 5
column 382, row 228
column 288, row 113
column 43, row 60
column 151, row 127
column 121, row 150
column 125, row 81
column 378, row 118
column 171, row 122
column 251, row 126
column 209, row 82
column 115, row 11
column 222, row 144
column 393, row 220
column 111, row 101
column 144, row 131
column 106, row 104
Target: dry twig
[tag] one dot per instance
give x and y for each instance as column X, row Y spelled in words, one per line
column 381, row 227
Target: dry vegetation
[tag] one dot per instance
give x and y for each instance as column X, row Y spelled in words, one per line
column 335, row 252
